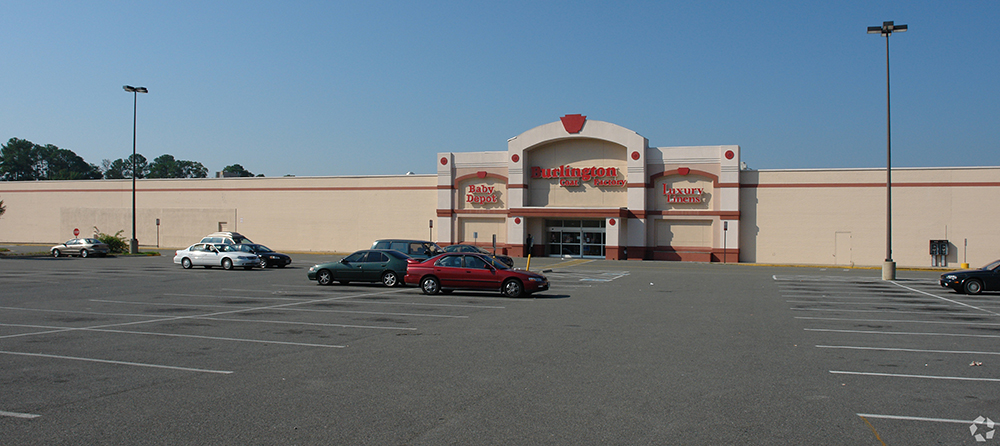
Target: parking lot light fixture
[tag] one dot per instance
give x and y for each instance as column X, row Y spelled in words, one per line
column 134, row 244
column 888, row 267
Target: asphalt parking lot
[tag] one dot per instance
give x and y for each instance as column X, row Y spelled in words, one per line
column 136, row 350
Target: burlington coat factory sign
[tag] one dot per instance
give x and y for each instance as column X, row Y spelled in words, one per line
column 575, row 176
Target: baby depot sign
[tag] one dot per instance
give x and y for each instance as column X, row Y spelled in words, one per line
column 481, row 194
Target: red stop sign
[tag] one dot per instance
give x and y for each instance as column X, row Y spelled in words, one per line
column 76, row 232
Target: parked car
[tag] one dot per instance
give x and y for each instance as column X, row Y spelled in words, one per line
column 225, row 238
column 265, row 255
column 471, row 271
column 209, row 255
column 417, row 249
column 974, row 281
column 82, row 247
column 470, row 248
column 370, row 265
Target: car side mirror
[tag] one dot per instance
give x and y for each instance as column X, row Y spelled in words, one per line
column 344, row 261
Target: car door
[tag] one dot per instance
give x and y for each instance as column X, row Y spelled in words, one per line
column 373, row 265
column 991, row 281
column 73, row 246
column 350, row 266
column 480, row 275
column 450, row 272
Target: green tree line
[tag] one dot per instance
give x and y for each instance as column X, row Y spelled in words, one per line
column 23, row 160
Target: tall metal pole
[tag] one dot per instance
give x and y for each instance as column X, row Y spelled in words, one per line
column 889, row 266
column 888, row 168
column 134, row 244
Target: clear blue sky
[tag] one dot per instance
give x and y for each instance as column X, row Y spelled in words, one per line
column 316, row 88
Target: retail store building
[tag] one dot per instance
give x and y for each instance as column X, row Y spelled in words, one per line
column 576, row 187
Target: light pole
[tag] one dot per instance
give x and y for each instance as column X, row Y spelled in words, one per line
column 888, row 267
column 134, row 244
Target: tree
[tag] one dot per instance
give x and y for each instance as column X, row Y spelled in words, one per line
column 238, row 170
column 20, row 160
column 2, row 208
column 62, row 164
column 122, row 168
column 165, row 166
column 113, row 170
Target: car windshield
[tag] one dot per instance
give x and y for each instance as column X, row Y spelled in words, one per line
column 262, row 248
column 992, row 266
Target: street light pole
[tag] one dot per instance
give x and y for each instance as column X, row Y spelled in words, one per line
column 889, row 266
column 134, row 244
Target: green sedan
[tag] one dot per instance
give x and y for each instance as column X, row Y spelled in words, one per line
column 371, row 265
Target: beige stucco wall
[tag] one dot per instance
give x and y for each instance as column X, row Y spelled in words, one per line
column 812, row 216
column 339, row 214
column 838, row 216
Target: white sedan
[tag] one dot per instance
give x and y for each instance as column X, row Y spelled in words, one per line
column 209, row 255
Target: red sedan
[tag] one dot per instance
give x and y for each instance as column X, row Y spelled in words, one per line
column 471, row 271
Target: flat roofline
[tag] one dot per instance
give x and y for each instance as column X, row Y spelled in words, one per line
column 870, row 169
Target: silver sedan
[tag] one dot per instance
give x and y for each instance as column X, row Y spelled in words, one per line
column 83, row 247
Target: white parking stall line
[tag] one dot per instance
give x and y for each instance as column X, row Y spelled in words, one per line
column 957, row 335
column 292, row 309
column 424, row 304
column 908, row 418
column 105, row 361
column 947, row 300
column 841, row 310
column 907, row 350
column 899, row 375
column 151, row 333
column 89, row 313
column 901, row 304
column 313, row 324
column 216, row 296
column 901, row 321
column 4, row 413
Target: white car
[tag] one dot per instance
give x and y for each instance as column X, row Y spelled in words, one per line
column 209, row 255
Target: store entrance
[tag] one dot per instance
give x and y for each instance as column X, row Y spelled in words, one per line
column 576, row 238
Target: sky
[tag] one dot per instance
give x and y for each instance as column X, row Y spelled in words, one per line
column 331, row 88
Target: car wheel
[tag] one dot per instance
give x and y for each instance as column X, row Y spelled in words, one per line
column 430, row 285
column 227, row 264
column 84, row 253
column 56, row 253
column 973, row 286
column 324, row 277
column 263, row 262
column 390, row 279
column 513, row 288
column 186, row 263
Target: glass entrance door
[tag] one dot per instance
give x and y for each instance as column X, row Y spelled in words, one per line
column 576, row 238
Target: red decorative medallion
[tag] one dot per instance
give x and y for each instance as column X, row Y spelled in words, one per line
column 444, row 161
column 684, row 170
column 635, row 156
column 515, row 158
column 730, row 154
column 573, row 123
column 481, row 174
column 517, row 220
column 611, row 222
